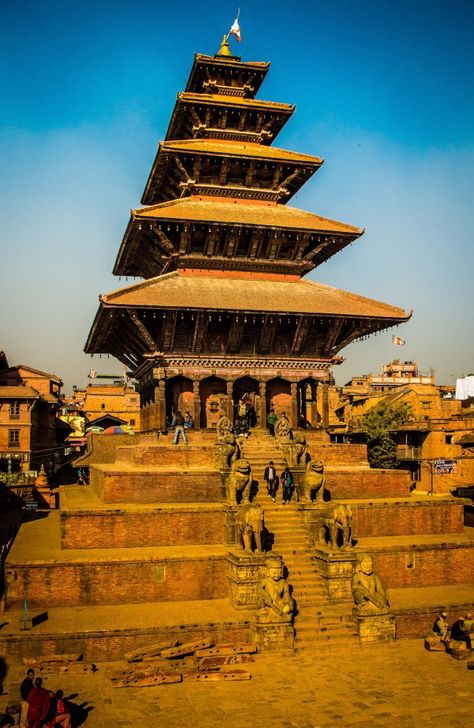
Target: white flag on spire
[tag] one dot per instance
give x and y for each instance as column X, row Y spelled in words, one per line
column 235, row 30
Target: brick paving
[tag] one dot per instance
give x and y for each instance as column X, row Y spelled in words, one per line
column 383, row 686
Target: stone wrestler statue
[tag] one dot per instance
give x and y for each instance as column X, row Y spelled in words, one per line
column 274, row 598
column 369, row 594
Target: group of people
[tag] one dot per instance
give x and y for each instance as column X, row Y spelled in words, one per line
column 460, row 629
column 272, row 480
column 41, row 707
column 181, row 423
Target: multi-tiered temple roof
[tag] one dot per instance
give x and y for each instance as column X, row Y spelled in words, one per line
column 221, row 252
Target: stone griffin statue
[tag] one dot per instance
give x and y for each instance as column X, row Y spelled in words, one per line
column 239, row 481
column 274, row 598
column 369, row 594
column 313, row 482
column 228, row 450
column 295, row 450
column 249, row 527
column 335, row 521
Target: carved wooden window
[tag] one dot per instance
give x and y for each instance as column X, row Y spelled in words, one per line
column 13, row 438
column 14, row 410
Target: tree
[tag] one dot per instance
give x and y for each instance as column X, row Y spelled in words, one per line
column 377, row 426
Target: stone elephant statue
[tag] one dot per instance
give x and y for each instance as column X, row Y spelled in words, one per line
column 248, row 524
column 239, row 481
column 335, row 524
column 312, row 483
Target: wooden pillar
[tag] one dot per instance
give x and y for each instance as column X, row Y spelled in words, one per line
column 160, row 407
column 262, row 415
column 325, row 403
column 294, row 405
column 197, row 404
column 230, row 401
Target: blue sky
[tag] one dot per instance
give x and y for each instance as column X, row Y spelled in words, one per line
column 384, row 92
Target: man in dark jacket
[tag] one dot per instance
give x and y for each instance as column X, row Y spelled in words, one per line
column 270, row 477
column 25, row 688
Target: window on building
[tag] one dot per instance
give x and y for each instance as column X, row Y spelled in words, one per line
column 102, row 406
column 13, row 438
column 426, row 405
column 132, row 422
column 449, row 439
column 14, row 410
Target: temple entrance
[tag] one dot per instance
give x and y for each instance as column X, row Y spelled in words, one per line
column 307, row 405
column 279, row 396
column 214, row 400
column 247, row 389
column 179, row 396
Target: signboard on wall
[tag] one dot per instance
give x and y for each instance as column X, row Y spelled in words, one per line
column 444, row 467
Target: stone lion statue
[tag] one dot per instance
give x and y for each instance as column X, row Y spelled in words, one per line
column 313, row 482
column 249, row 527
column 239, row 481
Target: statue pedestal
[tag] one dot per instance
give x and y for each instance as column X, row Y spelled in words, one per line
column 45, row 496
column 336, row 567
column 245, row 570
column 229, row 524
column 272, row 636
column 375, row 627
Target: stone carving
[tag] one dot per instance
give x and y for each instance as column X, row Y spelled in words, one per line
column 283, row 429
column 335, row 520
column 223, row 427
column 239, row 481
column 249, row 527
column 369, row 594
column 312, row 484
column 228, row 450
column 274, row 597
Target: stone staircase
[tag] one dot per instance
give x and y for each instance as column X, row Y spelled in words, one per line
column 317, row 620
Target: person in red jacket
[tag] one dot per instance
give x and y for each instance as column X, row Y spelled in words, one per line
column 38, row 704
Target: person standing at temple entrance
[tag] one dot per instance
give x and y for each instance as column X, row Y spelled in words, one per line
column 178, row 424
column 271, row 479
column 271, row 419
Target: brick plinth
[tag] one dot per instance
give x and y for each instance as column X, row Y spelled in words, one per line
column 108, row 645
column 337, row 453
column 119, row 484
column 245, row 571
column 376, row 628
column 366, row 483
column 433, row 564
column 336, row 568
column 115, row 581
column 406, row 518
column 183, row 457
column 142, row 527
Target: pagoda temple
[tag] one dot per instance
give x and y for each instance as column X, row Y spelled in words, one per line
column 225, row 307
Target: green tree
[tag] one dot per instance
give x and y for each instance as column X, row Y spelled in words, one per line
column 377, row 425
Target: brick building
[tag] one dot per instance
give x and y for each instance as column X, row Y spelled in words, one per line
column 29, row 403
column 118, row 399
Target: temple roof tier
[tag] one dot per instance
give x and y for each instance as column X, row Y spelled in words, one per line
column 223, row 117
column 232, row 314
column 199, row 232
column 229, row 169
column 226, row 75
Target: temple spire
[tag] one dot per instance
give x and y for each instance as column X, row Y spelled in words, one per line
column 224, row 50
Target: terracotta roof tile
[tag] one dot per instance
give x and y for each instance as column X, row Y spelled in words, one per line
column 238, row 149
column 19, row 392
column 243, row 213
column 250, row 293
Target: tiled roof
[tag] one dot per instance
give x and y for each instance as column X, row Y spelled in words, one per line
column 243, row 213
column 249, row 293
column 227, row 101
column 19, row 392
column 238, row 149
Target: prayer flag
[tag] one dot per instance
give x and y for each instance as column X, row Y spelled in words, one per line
column 398, row 341
column 235, row 30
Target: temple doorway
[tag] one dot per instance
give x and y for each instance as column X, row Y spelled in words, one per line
column 247, row 389
column 279, row 396
column 214, row 400
column 179, row 396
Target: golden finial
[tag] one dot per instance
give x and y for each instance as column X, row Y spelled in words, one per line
column 224, row 50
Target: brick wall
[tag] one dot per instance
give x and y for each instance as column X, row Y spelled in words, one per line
column 145, row 528
column 97, row 646
column 398, row 519
column 113, row 485
column 370, row 483
column 432, row 565
column 419, row 622
column 340, row 453
column 115, row 582
column 182, row 458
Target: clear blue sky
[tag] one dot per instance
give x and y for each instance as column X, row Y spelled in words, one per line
column 384, row 92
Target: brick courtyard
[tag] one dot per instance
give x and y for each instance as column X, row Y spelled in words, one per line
column 391, row 685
